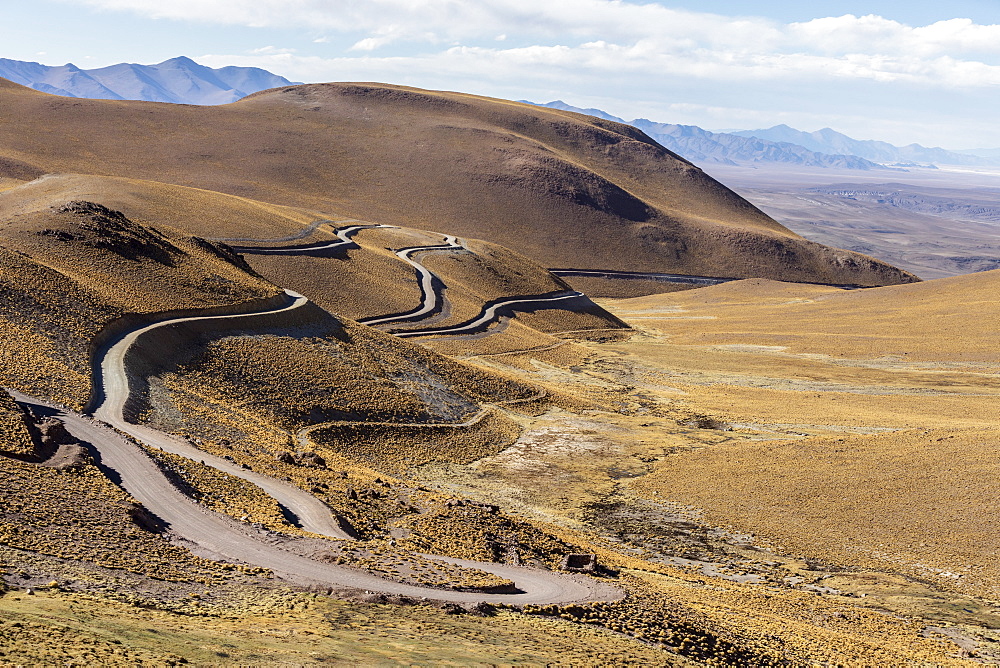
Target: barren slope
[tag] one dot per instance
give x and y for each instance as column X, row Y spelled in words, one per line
column 564, row 189
column 364, row 279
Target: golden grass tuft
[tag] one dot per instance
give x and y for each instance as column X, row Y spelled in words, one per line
column 15, row 437
column 81, row 515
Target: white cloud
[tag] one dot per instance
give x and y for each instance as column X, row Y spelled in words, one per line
column 643, row 55
column 643, row 58
column 611, row 34
column 270, row 51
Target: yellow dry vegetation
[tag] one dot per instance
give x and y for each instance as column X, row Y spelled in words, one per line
column 67, row 271
column 80, row 514
column 48, row 642
column 401, row 565
column 364, row 284
column 480, row 532
column 396, row 448
column 193, row 211
column 506, row 336
column 706, row 621
column 372, row 396
column 853, row 430
column 223, row 493
column 863, row 429
column 15, row 439
column 949, row 320
column 915, row 502
column 286, row 628
column 128, row 264
column 792, row 626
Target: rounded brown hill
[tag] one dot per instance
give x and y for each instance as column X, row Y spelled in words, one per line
column 568, row 190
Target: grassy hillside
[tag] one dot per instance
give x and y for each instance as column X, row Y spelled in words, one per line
column 563, row 189
column 68, row 271
column 874, row 436
column 773, row 473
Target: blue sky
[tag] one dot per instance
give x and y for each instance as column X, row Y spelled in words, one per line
column 899, row 71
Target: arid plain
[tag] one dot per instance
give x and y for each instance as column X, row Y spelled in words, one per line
column 303, row 356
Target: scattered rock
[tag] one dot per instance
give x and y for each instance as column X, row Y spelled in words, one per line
column 579, row 563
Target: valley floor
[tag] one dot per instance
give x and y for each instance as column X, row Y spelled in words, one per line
column 801, row 438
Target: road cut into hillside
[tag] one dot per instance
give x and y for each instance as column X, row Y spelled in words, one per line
column 431, row 286
column 224, row 538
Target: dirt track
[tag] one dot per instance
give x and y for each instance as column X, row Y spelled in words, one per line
column 432, row 288
column 227, row 539
column 488, row 315
column 430, row 284
column 344, row 234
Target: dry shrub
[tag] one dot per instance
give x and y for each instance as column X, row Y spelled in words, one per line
column 15, row 439
column 82, row 515
column 396, row 448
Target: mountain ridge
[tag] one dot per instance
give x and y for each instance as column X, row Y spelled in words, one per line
column 825, row 148
column 829, row 141
column 700, row 145
column 565, row 190
column 178, row 80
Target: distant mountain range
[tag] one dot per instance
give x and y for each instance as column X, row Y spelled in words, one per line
column 832, row 142
column 182, row 80
column 179, row 80
column 698, row 145
column 783, row 144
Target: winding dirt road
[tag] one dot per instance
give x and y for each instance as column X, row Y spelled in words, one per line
column 223, row 537
column 344, row 234
column 111, row 382
column 430, row 290
column 488, row 315
column 639, row 275
column 672, row 278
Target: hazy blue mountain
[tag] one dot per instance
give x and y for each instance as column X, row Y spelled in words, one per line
column 830, row 141
column 992, row 153
column 178, row 80
column 700, row 146
column 559, row 104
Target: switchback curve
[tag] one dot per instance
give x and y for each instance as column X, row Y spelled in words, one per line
column 225, row 538
column 489, row 314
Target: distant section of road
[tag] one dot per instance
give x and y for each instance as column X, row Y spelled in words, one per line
column 491, row 313
column 646, row 276
column 431, row 287
column 670, row 278
column 344, row 234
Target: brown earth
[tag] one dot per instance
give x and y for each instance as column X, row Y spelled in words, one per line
column 783, row 413
column 564, row 189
